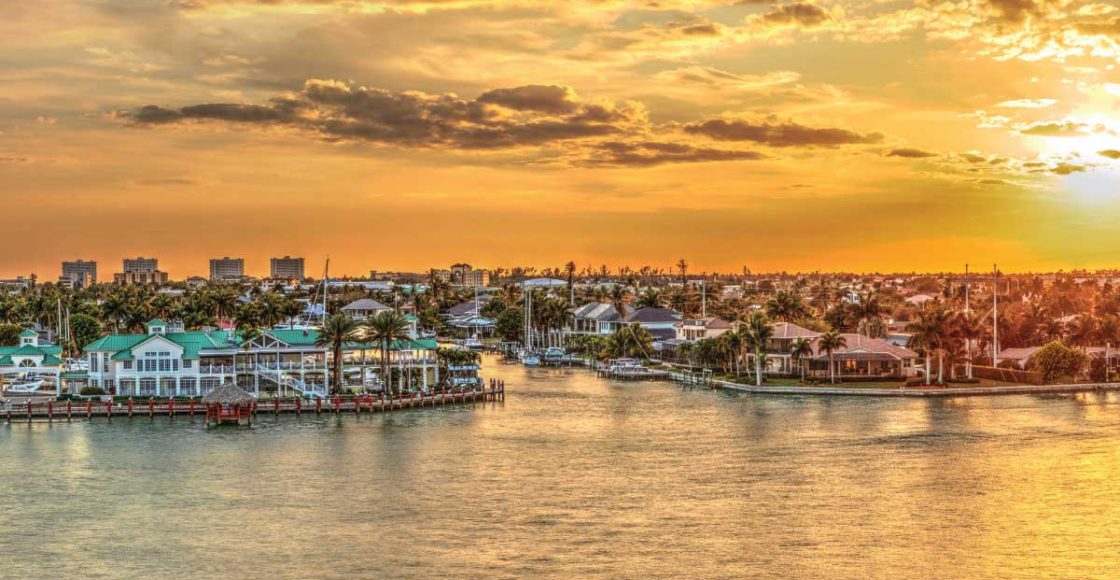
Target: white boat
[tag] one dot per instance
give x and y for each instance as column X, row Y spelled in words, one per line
column 624, row 366
column 530, row 359
column 473, row 343
column 24, row 386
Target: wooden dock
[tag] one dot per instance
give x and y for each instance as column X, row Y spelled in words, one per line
column 70, row 410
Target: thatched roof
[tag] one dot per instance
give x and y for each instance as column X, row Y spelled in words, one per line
column 229, row 394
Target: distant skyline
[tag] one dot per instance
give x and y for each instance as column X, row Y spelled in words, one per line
column 797, row 135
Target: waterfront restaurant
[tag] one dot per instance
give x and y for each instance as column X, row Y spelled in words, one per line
column 166, row 361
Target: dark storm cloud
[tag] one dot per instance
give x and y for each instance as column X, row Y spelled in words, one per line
column 787, row 134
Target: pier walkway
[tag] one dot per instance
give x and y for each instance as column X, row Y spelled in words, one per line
column 70, row 410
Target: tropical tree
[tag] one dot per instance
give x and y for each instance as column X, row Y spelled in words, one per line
column 828, row 343
column 786, row 306
column 801, row 348
column 757, row 333
column 629, row 340
column 337, row 329
column 383, row 329
column 868, row 310
column 651, row 298
column 932, row 332
column 619, row 297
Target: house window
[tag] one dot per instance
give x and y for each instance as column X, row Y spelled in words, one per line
column 93, row 366
column 188, row 364
column 127, row 365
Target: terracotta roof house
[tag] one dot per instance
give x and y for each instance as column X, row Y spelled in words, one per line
column 778, row 357
column 863, row 356
column 701, row 328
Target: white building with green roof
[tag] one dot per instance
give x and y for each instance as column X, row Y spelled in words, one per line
column 30, row 361
column 286, row 362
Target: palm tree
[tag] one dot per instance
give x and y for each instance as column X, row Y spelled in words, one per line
column 570, row 269
column 757, row 334
column 933, row 331
column 630, row 340
column 337, row 329
column 385, row 328
column 828, row 343
column 650, row 299
column 801, row 348
column 786, row 306
column 868, row 311
column 246, row 333
column 618, row 297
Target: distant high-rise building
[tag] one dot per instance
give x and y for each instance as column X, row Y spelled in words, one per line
column 226, row 269
column 476, row 278
column 79, row 273
column 141, row 264
column 458, row 271
column 140, row 271
column 287, row 267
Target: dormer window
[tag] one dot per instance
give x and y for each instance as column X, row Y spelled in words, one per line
column 157, row 327
column 29, row 338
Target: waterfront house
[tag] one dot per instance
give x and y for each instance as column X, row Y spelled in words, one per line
column 693, row 329
column 595, row 318
column 661, row 323
column 364, row 308
column 783, row 335
column 862, row 357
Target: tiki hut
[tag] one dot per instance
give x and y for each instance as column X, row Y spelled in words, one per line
column 229, row 403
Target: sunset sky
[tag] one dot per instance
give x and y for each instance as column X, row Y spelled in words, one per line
column 404, row 134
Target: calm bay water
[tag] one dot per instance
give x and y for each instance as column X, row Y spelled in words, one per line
column 576, row 476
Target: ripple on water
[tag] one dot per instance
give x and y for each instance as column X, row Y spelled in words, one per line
column 575, row 476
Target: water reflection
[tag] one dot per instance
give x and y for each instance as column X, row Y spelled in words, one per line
column 581, row 477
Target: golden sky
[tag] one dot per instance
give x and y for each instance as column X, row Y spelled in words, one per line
column 868, row 135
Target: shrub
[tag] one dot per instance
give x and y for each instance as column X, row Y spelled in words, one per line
column 1098, row 370
column 1056, row 360
column 92, row 391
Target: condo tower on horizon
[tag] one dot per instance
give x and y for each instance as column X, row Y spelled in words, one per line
column 227, row 269
column 286, row 268
column 140, row 270
column 78, row 273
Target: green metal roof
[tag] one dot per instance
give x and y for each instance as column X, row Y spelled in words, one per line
column 295, row 337
column 29, row 334
column 28, row 350
column 192, row 343
column 5, row 361
column 156, row 322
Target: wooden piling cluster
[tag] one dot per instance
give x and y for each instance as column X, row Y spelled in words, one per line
column 67, row 410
